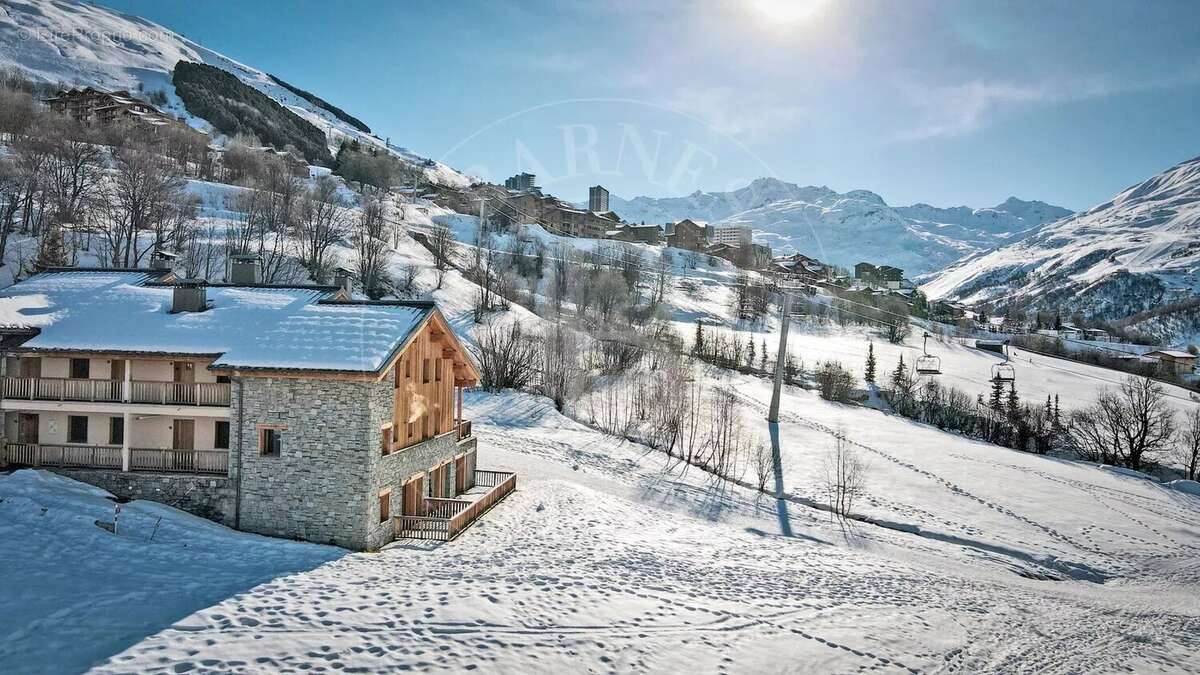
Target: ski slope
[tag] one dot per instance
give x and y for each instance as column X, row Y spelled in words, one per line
column 608, row 559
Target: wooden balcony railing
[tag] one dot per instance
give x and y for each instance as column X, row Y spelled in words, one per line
column 464, row 429
column 444, row 519
column 207, row 462
column 64, row 456
column 113, row 391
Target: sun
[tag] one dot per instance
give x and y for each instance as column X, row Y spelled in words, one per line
column 786, row 11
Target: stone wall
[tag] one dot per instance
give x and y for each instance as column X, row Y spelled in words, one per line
column 209, row 497
column 393, row 470
column 317, row 488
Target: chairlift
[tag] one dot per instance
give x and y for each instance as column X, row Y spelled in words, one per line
column 1003, row 371
column 928, row 364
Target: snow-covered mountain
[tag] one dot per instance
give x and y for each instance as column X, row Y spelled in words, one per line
column 80, row 44
column 1137, row 252
column 844, row 228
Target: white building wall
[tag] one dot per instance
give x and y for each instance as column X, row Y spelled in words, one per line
column 146, row 431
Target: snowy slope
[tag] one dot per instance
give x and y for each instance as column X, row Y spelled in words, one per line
column 607, row 559
column 79, row 44
column 846, row 228
column 1138, row 251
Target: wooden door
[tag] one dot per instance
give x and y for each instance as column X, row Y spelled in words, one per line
column 117, row 370
column 183, row 376
column 27, row 428
column 438, row 478
column 184, row 435
column 414, row 497
column 460, row 474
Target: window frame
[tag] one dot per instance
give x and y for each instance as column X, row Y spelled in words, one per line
column 217, row 435
column 87, row 369
column 116, row 422
column 71, row 429
column 266, row 431
column 385, row 505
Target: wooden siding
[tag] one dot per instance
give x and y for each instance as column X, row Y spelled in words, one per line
column 423, row 382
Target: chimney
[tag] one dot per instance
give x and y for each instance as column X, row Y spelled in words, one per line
column 246, row 270
column 190, row 296
column 345, row 280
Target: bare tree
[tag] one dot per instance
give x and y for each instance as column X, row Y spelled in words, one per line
column 1187, row 448
column 764, row 466
column 561, row 369
column 845, row 477
column 508, row 357
column 1126, row 426
column 371, row 238
column 140, row 199
column 443, row 246
column 321, row 224
column 75, row 170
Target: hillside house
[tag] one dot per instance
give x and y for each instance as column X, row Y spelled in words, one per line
column 645, row 234
column 687, row 234
column 95, row 106
column 1173, row 361
column 287, row 411
column 556, row 215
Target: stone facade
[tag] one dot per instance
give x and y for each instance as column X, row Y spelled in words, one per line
column 392, row 471
column 316, row 489
column 209, row 497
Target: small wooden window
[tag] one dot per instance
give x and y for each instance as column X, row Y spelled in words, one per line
column 385, row 506
column 116, row 430
column 425, row 371
column 385, row 439
column 221, row 435
column 77, row 429
column 81, row 369
column 270, row 441
column 437, row 370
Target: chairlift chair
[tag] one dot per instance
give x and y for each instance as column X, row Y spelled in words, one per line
column 928, row 364
column 1003, row 371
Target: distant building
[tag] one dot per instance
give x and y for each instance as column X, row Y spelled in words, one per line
column 557, row 216
column 864, row 271
column 760, row 256
column 645, row 234
column 734, row 236
column 1173, row 361
column 597, row 199
column 688, row 234
column 885, row 276
column 521, row 181
column 95, row 106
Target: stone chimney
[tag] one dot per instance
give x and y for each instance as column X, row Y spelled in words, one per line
column 246, row 270
column 345, row 280
column 190, row 296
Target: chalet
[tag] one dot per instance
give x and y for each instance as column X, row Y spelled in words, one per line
column 293, row 412
column 1174, row 361
column 531, row 206
column 95, row 106
column 800, row 267
column 1096, row 335
column 646, row 234
column 687, row 234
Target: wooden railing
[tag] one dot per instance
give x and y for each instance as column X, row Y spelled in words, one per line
column 207, row 462
column 112, row 391
column 464, row 429
column 62, row 389
column 444, row 519
column 65, row 456
column 179, row 461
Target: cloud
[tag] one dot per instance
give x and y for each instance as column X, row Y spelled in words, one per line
column 731, row 112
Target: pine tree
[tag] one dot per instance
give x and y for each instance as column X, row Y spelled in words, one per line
column 1057, row 414
column 751, row 357
column 1013, row 404
column 52, row 252
column 763, row 362
column 898, row 375
column 698, row 347
column 869, row 376
column 996, row 402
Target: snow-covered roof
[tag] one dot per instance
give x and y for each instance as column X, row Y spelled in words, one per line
column 245, row 327
column 1171, row 353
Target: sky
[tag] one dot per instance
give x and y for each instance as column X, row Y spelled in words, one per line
column 946, row 103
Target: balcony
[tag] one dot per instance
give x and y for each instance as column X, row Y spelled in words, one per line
column 158, row 460
column 445, row 519
column 114, row 391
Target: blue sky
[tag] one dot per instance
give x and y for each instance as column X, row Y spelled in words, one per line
column 943, row 102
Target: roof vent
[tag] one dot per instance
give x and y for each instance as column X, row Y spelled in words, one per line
column 246, row 270
column 190, row 296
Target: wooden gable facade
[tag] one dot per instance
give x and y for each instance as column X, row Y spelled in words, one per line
column 428, row 377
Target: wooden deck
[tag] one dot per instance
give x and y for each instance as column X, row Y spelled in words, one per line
column 445, row 519
column 108, row 457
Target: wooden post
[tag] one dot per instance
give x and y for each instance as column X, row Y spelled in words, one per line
column 127, row 386
column 459, row 420
column 125, row 431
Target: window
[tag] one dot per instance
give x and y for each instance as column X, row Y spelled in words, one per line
column 385, row 506
column 80, row 369
column 223, row 379
column 77, row 431
column 221, row 435
column 425, row 371
column 385, row 439
column 437, row 370
column 116, row 431
column 270, row 441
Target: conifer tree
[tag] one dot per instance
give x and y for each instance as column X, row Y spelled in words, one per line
column 763, row 363
column 898, row 375
column 52, row 252
column 869, row 375
column 751, row 357
column 698, row 346
column 996, row 401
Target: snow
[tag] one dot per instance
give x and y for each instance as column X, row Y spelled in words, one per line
column 846, row 228
column 248, row 327
column 76, row 594
column 63, row 42
column 606, row 558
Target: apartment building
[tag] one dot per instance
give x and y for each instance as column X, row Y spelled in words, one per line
column 295, row 412
column 95, row 106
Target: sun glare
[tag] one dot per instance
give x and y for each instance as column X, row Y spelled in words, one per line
column 786, row 11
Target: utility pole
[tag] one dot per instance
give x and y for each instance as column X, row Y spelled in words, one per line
column 780, row 359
